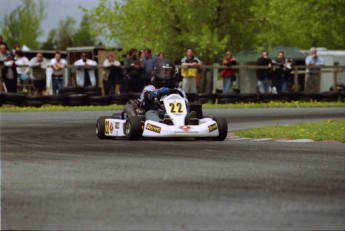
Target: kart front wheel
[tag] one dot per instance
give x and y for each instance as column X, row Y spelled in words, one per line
column 222, row 128
column 133, row 128
column 100, row 127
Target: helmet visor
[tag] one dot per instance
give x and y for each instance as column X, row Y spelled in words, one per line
column 165, row 73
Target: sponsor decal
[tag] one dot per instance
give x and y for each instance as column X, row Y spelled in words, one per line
column 212, row 127
column 117, row 125
column 111, row 127
column 107, row 127
column 153, row 128
column 185, row 128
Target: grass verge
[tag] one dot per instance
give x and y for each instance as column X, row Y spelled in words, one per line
column 319, row 131
column 273, row 104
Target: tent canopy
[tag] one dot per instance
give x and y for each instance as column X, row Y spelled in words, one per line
column 250, row 56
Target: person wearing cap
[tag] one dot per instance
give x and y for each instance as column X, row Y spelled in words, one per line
column 313, row 72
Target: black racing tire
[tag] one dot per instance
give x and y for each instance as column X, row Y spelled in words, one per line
column 100, row 127
column 342, row 96
column 206, row 98
column 14, row 99
column 1, row 99
column 78, row 100
column 99, row 100
column 222, row 128
column 121, row 99
column 71, row 90
column 93, row 91
column 248, row 97
column 267, row 97
column 329, row 97
column 35, row 101
column 57, row 100
column 289, row 96
column 133, row 128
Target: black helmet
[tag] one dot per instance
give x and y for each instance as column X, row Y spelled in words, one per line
column 164, row 74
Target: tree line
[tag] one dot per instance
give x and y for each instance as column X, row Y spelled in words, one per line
column 210, row 27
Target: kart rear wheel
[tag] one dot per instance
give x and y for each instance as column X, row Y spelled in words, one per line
column 100, row 127
column 133, row 128
column 222, row 128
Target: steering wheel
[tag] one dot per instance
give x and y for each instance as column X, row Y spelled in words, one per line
column 171, row 91
column 175, row 91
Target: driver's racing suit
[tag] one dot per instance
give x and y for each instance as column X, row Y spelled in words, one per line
column 148, row 102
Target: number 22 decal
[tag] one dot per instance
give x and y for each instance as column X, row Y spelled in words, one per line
column 176, row 107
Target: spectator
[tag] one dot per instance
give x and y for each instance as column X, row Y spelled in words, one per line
column 228, row 74
column 38, row 66
column 149, row 63
column 133, row 66
column 264, row 75
column 112, row 78
column 58, row 64
column 8, row 72
column 160, row 55
column 282, row 71
column 23, row 69
column 189, row 71
column 2, row 42
column 314, row 62
column 86, row 71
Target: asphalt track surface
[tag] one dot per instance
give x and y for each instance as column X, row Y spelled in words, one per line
column 56, row 174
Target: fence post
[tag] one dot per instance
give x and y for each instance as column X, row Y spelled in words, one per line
column 215, row 76
column 296, row 87
column 335, row 73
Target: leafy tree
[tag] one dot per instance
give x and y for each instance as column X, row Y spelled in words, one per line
column 208, row 26
column 83, row 36
column 212, row 26
column 62, row 37
column 300, row 23
column 23, row 24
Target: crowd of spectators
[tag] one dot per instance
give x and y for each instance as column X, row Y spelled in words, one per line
column 135, row 71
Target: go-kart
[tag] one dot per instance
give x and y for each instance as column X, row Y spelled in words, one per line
column 177, row 121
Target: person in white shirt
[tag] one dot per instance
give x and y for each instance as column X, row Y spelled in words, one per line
column 58, row 64
column 38, row 66
column 112, row 76
column 23, row 69
column 8, row 75
column 86, row 71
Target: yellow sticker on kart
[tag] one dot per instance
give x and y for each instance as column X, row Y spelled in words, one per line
column 153, row 128
column 109, row 127
column 176, row 107
column 212, row 127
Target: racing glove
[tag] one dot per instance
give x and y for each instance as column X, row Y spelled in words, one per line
column 162, row 91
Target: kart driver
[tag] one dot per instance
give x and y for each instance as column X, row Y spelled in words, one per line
column 165, row 77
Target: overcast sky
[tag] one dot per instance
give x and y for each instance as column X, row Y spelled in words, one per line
column 56, row 10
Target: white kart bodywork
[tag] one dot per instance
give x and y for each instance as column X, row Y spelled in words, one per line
column 176, row 110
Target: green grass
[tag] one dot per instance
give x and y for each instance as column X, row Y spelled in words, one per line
column 329, row 130
column 273, row 104
column 51, row 108
column 319, row 131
